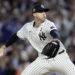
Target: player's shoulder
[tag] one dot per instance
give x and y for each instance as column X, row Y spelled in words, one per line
column 49, row 22
column 50, row 25
column 28, row 24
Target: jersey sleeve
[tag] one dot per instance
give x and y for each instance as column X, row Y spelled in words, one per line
column 22, row 33
column 51, row 26
column 52, row 30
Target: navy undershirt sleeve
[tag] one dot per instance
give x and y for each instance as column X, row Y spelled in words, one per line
column 12, row 40
column 55, row 34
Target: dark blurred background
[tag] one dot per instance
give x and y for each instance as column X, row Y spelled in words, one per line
column 15, row 13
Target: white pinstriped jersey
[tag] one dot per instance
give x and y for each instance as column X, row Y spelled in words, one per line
column 38, row 37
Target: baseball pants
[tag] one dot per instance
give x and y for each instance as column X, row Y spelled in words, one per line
column 41, row 66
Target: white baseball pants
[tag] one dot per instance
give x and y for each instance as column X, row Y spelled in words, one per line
column 41, row 66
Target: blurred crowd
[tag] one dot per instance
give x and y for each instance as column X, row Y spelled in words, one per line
column 15, row 13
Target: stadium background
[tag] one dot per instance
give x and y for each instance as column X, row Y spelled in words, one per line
column 15, row 13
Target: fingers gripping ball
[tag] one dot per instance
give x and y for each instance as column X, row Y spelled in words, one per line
column 51, row 49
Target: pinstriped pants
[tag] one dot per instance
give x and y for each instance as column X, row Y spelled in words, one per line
column 41, row 66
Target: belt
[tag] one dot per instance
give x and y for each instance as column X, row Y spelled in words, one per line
column 61, row 52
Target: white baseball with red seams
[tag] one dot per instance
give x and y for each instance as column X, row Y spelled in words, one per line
column 39, row 37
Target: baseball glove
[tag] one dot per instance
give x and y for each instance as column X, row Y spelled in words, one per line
column 51, row 49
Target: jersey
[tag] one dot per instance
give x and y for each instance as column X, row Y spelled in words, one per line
column 38, row 37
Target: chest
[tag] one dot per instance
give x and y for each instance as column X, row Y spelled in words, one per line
column 38, row 34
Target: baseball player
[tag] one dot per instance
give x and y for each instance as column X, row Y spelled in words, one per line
column 44, row 37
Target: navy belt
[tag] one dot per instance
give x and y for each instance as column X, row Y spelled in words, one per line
column 61, row 52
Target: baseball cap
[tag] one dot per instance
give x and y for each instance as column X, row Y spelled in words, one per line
column 39, row 8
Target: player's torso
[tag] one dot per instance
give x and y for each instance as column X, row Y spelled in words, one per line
column 38, row 37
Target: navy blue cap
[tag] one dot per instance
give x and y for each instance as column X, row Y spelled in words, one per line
column 39, row 8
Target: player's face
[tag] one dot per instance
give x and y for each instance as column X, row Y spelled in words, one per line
column 40, row 15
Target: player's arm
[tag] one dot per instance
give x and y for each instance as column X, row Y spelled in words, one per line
column 19, row 34
column 53, row 31
column 55, row 34
column 52, row 47
column 10, row 41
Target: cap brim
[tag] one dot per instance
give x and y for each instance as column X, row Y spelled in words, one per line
column 46, row 10
column 42, row 10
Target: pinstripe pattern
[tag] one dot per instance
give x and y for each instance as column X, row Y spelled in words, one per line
column 61, row 63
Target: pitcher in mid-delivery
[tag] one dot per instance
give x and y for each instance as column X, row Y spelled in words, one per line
column 44, row 37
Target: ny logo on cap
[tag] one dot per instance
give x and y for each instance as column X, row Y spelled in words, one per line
column 42, row 6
